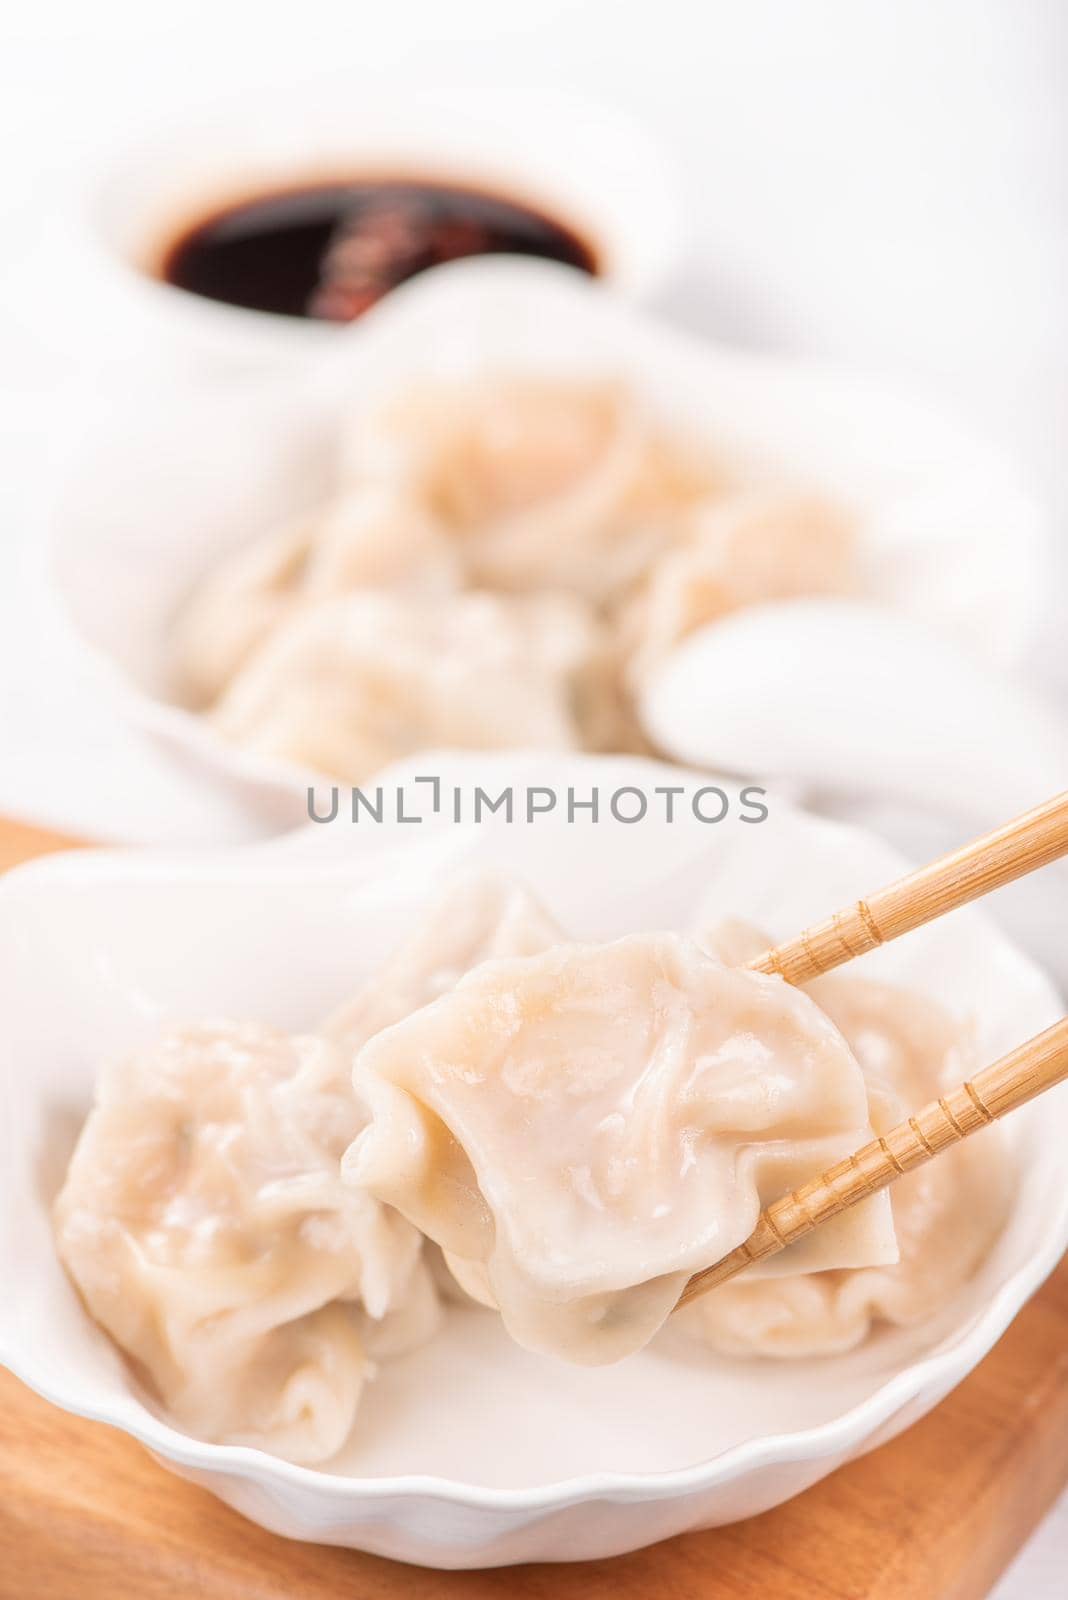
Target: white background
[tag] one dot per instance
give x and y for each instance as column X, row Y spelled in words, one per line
column 881, row 182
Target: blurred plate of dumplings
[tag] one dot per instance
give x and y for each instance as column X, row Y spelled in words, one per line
column 510, row 510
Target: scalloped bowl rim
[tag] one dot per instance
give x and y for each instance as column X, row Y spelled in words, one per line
column 937, row 1372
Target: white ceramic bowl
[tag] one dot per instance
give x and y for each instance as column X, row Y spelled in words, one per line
column 952, row 546
column 590, row 165
column 472, row 1452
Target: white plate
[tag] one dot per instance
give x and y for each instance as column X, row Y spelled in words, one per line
column 472, row 1452
column 167, row 484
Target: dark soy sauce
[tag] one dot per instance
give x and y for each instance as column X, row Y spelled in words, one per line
column 330, row 250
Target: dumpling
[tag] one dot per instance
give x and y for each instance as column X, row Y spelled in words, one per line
column 582, row 1129
column 477, row 919
column 205, row 1225
column 552, row 484
column 350, row 685
column 380, row 536
column 946, row 1214
column 235, row 609
column 740, row 551
column 376, row 536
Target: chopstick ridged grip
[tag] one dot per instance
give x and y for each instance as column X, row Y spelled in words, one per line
column 1018, row 1077
column 1021, row 846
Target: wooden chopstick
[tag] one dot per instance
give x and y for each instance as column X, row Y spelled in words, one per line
column 1018, row 1077
column 1021, row 846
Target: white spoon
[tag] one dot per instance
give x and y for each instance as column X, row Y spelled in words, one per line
column 843, row 695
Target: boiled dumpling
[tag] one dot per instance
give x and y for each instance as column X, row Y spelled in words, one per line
column 477, row 919
column 582, row 1129
column 508, row 560
column 205, row 1224
column 946, row 1214
column 545, row 483
column 375, row 536
column 351, row 685
column 235, row 609
column 741, row 551
column 293, row 1392
column 380, row 537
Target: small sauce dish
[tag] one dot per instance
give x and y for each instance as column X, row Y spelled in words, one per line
column 597, row 186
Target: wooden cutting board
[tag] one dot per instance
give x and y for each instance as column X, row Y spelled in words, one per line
column 937, row 1514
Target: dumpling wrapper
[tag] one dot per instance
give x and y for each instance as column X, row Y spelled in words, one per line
column 480, row 917
column 350, row 685
column 205, row 1224
column 593, row 1124
column 546, row 484
column 740, row 551
column 946, row 1214
column 375, row 536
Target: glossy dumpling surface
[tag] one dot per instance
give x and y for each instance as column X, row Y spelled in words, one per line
column 947, row 1214
column 205, row 1225
column 581, row 1129
column 480, row 917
